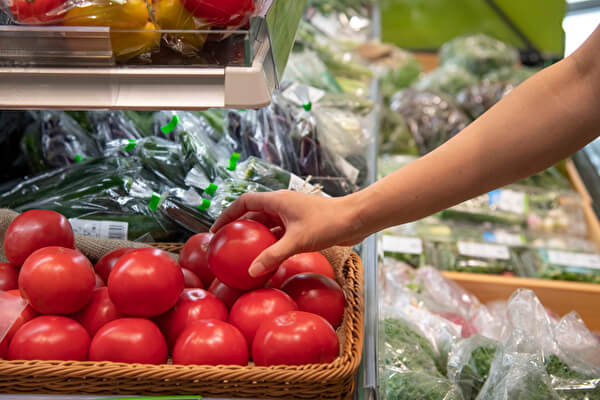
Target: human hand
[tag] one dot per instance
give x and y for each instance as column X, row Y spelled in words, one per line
column 303, row 222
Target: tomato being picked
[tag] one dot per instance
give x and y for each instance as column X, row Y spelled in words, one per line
column 194, row 257
column 9, row 277
column 98, row 312
column 108, row 261
column 299, row 264
column 221, row 13
column 193, row 305
column 37, row 11
column 317, row 294
column 129, row 340
column 211, row 342
column 57, row 280
column 145, row 283
column 233, row 249
column 250, row 310
column 295, row 338
column 50, row 337
column 35, row 229
column 225, row 293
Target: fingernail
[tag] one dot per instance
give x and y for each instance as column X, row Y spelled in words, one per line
column 257, row 270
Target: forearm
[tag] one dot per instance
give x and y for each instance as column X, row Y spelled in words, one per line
column 541, row 122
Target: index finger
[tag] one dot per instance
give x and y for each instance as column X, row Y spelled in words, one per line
column 248, row 202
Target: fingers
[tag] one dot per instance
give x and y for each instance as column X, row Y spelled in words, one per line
column 246, row 203
column 272, row 257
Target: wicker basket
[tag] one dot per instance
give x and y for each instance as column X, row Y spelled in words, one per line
column 323, row 381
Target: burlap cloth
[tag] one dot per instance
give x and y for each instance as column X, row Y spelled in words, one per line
column 95, row 248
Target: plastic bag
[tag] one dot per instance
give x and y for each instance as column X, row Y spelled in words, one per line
column 477, row 99
column 12, row 127
column 448, row 79
column 106, row 126
column 478, row 53
column 469, row 364
column 55, row 140
column 562, row 265
column 432, row 119
column 306, row 67
column 512, row 74
column 473, row 257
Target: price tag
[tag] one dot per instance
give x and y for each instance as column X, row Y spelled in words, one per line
column 508, row 200
column 503, row 237
column 574, row 259
column 483, row 250
column 100, row 229
column 404, row 245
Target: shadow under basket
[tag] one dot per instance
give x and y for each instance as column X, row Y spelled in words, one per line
column 322, row 381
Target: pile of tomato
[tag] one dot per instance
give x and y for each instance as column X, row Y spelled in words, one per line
column 142, row 305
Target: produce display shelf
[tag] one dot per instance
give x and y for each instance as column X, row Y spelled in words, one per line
column 61, row 67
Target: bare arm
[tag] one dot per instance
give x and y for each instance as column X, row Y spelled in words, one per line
column 544, row 120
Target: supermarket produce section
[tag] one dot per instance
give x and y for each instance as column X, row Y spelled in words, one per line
column 188, row 105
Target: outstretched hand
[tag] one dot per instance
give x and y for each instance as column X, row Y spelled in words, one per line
column 303, row 222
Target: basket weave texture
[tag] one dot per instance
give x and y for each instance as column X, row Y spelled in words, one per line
column 315, row 381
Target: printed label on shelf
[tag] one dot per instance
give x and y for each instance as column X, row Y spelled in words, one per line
column 484, row 250
column 503, row 237
column 508, row 200
column 347, row 169
column 100, row 229
column 574, row 259
column 400, row 244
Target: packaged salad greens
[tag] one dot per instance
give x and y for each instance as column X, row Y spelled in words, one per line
column 474, row 257
column 431, row 118
column 479, row 98
column 562, row 265
column 513, row 74
column 448, row 79
column 478, row 53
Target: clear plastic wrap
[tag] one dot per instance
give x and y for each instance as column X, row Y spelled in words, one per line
column 306, row 67
column 477, row 99
column 431, row 118
column 106, row 126
column 478, row 53
column 469, row 364
column 55, row 140
column 562, row 265
column 512, row 74
column 12, row 128
column 473, row 257
column 448, row 79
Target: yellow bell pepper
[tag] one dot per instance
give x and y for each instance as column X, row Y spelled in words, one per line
column 119, row 15
column 170, row 14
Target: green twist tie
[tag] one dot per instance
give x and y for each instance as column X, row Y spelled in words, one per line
column 170, row 126
column 78, row 158
column 204, row 205
column 154, row 202
column 307, row 106
column 235, row 157
column 211, row 189
column 131, row 145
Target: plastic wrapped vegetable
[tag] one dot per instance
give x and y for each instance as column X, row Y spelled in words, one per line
column 106, row 126
column 562, row 265
column 477, row 99
column 468, row 256
column 478, row 53
column 431, row 118
column 306, row 67
column 55, row 140
column 12, row 127
column 172, row 15
column 395, row 136
column 469, row 364
column 448, row 79
column 406, row 249
column 512, row 74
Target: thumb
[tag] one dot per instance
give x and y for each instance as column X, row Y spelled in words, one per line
column 272, row 257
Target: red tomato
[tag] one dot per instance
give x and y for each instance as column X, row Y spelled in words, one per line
column 145, row 283
column 295, row 338
column 50, row 337
column 36, row 11
column 57, row 280
column 211, row 342
column 191, row 280
column 193, row 305
column 317, row 294
column 35, row 229
column 108, row 261
column 26, row 315
column 194, row 257
column 221, row 12
column 129, row 340
column 9, row 277
column 98, row 312
column 468, row 329
column 250, row 310
column 99, row 281
column 233, row 249
column 299, row 264
column 224, row 293
column 3, row 348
